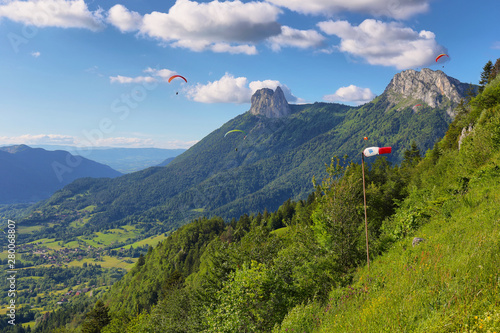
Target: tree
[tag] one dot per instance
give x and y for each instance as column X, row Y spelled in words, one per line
column 337, row 218
column 96, row 319
column 495, row 70
column 411, row 156
column 485, row 75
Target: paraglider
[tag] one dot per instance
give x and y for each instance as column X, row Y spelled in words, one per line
column 236, row 130
column 179, row 76
column 441, row 55
column 365, row 138
column 415, row 107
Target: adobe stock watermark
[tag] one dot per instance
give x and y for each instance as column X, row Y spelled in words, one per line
column 121, row 108
column 11, row 273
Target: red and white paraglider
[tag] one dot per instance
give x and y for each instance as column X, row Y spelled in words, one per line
column 177, row 76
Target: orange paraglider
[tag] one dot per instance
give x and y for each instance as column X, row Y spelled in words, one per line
column 174, row 76
column 365, row 138
column 441, row 55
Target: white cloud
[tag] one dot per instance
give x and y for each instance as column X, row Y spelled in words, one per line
column 37, row 139
column 155, row 75
column 123, row 19
column 399, row 9
column 273, row 84
column 243, row 49
column 68, row 140
column 125, row 79
column 226, row 90
column 351, row 94
column 496, row 45
column 52, row 13
column 296, row 38
column 35, row 54
column 386, row 44
column 125, row 142
column 164, row 74
column 235, row 90
column 229, row 26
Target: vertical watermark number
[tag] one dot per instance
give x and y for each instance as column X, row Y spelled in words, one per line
column 11, row 273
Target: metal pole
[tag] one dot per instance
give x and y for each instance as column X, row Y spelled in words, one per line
column 366, row 217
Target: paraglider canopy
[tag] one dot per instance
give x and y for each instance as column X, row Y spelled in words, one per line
column 236, row 130
column 441, row 55
column 365, row 138
column 174, row 76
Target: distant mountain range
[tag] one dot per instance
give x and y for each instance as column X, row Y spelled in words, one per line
column 32, row 174
column 285, row 146
column 125, row 160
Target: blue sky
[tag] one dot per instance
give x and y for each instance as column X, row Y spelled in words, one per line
column 94, row 73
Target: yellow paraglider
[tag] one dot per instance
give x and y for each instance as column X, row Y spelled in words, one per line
column 236, row 130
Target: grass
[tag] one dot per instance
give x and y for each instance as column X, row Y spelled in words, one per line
column 151, row 241
column 28, row 230
column 100, row 239
column 448, row 283
column 107, row 262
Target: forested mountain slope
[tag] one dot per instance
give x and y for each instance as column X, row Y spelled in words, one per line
column 276, row 160
column 303, row 267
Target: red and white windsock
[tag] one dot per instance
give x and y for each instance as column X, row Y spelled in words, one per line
column 372, row 151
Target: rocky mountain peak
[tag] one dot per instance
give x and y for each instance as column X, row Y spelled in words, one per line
column 434, row 88
column 269, row 103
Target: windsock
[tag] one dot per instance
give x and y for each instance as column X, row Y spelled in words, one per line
column 372, row 151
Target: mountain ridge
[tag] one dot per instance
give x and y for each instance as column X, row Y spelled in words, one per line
column 33, row 174
column 230, row 176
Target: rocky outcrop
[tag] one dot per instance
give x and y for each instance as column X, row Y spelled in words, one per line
column 269, row 103
column 433, row 88
column 465, row 133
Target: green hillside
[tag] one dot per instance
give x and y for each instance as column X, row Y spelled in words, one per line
column 303, row 267
column 231, row 176
column 451, row 281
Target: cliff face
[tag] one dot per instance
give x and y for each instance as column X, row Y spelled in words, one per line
column 269, row 103
column 433, row 88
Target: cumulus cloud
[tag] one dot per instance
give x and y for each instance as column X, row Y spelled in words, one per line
column 399, row 9
column 155, row 75
column 228, row 89
column 351, row 94
column 123, row 19
column 52, row 13
column 291, row 37
column 164, row 74
column 273, row 84
column 229, row 26
column 35, row 54
column 238, row 90
column 386, row 44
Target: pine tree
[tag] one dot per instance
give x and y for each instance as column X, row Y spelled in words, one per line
column 485, row 75
column 96, row 319
column 495, row 70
